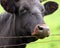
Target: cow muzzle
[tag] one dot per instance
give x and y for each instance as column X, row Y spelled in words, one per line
column 41, row 31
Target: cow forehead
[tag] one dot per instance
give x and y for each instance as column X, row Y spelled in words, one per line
column 28, row 1
column 33, row 5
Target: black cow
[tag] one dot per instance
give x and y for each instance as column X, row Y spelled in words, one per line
column 24, row 18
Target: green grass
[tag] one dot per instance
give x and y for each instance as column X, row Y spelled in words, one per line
column 53, row 21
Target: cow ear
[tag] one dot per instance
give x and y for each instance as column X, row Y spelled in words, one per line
column 50, row 7
column 8, row 5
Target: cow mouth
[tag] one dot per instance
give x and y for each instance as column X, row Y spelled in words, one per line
column 40, row 36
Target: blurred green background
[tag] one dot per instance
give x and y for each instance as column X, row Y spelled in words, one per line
column 53, row 22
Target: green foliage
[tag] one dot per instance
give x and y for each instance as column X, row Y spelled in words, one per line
column 1, row 9
column 53, row 21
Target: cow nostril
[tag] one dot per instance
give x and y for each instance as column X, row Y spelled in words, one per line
column 40, row 28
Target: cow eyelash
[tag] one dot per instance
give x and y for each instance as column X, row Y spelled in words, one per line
column 16, row 0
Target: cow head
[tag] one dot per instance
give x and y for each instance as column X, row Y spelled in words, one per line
column 31, row 14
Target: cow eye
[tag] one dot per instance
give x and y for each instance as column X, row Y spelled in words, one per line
column 42, row 10
column 16, row 0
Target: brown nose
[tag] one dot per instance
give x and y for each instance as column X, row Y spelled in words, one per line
column 41, row 31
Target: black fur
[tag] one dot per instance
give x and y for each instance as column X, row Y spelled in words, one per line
column 20, row 18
